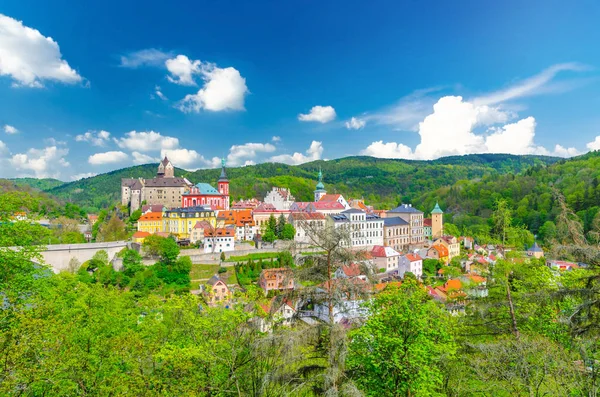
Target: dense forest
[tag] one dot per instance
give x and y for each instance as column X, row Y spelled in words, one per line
column 381, row 182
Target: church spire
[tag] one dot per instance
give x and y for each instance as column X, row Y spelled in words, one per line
column 223, row 176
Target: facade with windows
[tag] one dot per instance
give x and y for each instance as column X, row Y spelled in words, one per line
column 219, row 240
column 414, row 218
column 181, row 221
column 364, row 230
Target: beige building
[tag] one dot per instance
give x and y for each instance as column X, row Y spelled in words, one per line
column 437, row 222
column 451, row 243
column 216, row 291
column 414, row 217
column 164, row 189
column 396, row 233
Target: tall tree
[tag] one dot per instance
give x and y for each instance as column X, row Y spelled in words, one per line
column 502, row 219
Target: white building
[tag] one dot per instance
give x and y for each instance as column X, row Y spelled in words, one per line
column 303, row 222
column 385, row 258
column 410, row 263
column 280, row 198
column 365, row 230
column 219, row 240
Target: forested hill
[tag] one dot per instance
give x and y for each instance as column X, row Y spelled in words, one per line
column 382, row 182
column 529, row 194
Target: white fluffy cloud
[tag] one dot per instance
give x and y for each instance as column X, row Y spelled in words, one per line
column 595, row 144
column 389, row 150
column 145, row 57
column 189, row 159
column 9, row 129
column 247, row 151
column 96, row 138
column 224, row 89
column 562, row 151
column 314, row 152
column 355, row 123
column 320, row 114
column 3, row 148
column 141, row 158
column 146, row 141
column 48, row 162
column 182, row 70
column 108, row 158
column 29, row 57
column 159, row 93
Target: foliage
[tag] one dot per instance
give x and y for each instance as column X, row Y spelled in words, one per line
column 113, row 230
column 401, row 348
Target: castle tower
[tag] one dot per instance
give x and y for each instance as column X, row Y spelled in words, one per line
column 320, row 191
column 165, row 169
column 223, row 186
column 437, row 222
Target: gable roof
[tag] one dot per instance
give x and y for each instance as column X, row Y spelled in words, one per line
column 413, row 257
column 167, row 182
column 427, row 222
column 442, row 250
column 151, row 216
column 328, row 205
column 535, row 248
column 380, row 251
column 152, row 208
column 353, row 211
column 352, row 270
column 214, row 279
column 330, row 197
column 220, row 232
column 307, row 216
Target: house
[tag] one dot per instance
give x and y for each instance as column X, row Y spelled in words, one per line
column 138, row 237
column 278, row 311
column 152, row 208
column 452, row 290
column 280, row 198
column 349, row 271
column 386, row 259
column 410, row 263
column 219, row 240
column 335, row 198
column 365, row 230
column 92, row 218
column 241, row 220
column 323, row 207
column 535, row 251
column 197, row 233
column 205, row 194
column 474, row 285
column 562, row 265
column 304, row 222
column 216, row 291
column 438, row 252
column 263, row 212
column 353, row 293
column 180, row 221
column 427, row 228
column 451, row 243
column 468, row 243
column 151, row 222
column 396, row 233
column 278, row 279
column 359, row 204
column 245, row 204
column 414, row 217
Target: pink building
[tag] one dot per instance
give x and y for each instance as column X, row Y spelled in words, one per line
column 278, row 279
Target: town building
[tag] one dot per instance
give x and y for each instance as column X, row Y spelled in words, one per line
column 451, row 243
column 304, row 222
column 180, row 221
column 263, row 212
column 245, row 204
column 139, row 237
column 216, row 291
column 241, row 220
column 396, row 233
column 355, row 291
column 437, row 222
column 205, row 194
column 220, row 239
column 280, row 198
column 439, row 252
column 320, row 190
column 197, row 233
column 335, row 198
column 278, row 279
column 349, row 271
column 410, row 263
column 365, row 230
column 535, row 251
column 386, row 259
column 164, row 189
column 324, row 207
column 414, row 217
column 151, row 222
column 427, row 228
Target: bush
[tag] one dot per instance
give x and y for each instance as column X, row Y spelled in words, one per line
column 222, row 270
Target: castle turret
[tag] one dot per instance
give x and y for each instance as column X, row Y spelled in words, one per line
column 437, row 222
column 165, row 169
column 320, row 190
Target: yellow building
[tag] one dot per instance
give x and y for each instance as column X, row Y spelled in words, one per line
column 151, row 222
column 181, row 221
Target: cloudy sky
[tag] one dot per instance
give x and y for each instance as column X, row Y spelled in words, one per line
column 88, row 87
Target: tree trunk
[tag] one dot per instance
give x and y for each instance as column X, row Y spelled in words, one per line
column 512, row 309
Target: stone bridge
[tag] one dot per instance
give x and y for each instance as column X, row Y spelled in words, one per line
column 58, row 256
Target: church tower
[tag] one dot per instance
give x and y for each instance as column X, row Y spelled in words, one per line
column 165, row 169
column 437, row 222
column 320, row 191
column 223, row 186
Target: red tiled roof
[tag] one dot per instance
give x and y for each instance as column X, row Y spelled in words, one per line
column 151, row 216
column 427, row 222
column 352, row 270
column 442, row 250
column 413, row 257
column 202, row 225
column 328, row 205
column 264, row 207
column 330, row 197
column 220, row 232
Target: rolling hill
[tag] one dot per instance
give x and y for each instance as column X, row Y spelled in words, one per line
column 381, row 182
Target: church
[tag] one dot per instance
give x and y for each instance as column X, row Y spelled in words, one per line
column 205, row 194
column 165, row 188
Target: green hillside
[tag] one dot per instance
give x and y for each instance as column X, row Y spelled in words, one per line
column 39, row 184
column 382, row 182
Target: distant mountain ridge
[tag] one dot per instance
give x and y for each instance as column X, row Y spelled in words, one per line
column 381, row 182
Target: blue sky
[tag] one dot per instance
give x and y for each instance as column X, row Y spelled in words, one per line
column 291, row 81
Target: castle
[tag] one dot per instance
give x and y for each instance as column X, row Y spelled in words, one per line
column 172, row 192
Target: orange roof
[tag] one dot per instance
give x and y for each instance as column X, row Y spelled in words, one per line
column 330, row 197
column 140, row 234
column 243, row 217
column 477, row 278
column 453, row 284
column 381, row 286
column 351, row 270
column 442, row 250
column 151, row 216
column 220, row 232
column 413, row 257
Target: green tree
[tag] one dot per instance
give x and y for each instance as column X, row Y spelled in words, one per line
column 269, row 236
column 113, row 230
column 152, row 244
column 548, row 232
column 402, row 347
column 169, row 251
column 280, row 225
column 132, row 263
column 501, row 219
column 101, row 256
column 288, row 232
